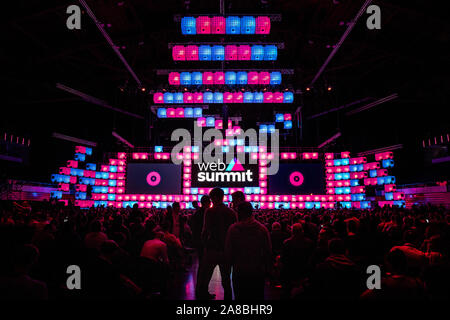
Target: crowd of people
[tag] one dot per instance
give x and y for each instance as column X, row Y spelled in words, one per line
column 134, row 253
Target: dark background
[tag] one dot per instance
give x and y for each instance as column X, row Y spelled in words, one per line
column 136, row 182
column 313, row 174
column 252, row 167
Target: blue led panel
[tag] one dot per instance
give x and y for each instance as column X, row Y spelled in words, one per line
column 248, row 25
column 230, row 78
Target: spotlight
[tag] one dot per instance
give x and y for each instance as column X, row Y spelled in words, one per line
column 329, row 88
column 308, row 89
column 143, row 89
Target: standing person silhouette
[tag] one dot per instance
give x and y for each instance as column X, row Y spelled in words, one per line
column 249, row 251
column 216, row 223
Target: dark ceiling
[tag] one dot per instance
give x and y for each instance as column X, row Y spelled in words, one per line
column 408, row 56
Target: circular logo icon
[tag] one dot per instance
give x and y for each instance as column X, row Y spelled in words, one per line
column 296, row 179
column 153, row 178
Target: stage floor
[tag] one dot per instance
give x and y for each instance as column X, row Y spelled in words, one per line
column 183, row 287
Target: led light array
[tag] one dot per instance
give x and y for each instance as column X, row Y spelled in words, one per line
column 347, row 175
column 223, row 97
column 228, row 25
column 227, row 78
column 108, row 181
column 228, row 52
column 286, row 118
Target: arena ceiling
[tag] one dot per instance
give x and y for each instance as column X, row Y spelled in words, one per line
column 406, row 57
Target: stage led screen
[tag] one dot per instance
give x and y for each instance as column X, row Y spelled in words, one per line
column 298, row 178
column 153, row 178
column 225, row 175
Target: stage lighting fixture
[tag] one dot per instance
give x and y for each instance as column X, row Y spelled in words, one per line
column 230, row 78
column 178, row 53
column 238, row 97
column 198, row 112
column 244, row 52
column 188, row 113
column 270, row 128
column 278, row 97
column 231, row 52
column 178, row 97
column 185, row 78
column 258, row 97
column 287, row 124
column 227, row 97
column 168, row 97
column 248, row 97
column 174, row 78
column 268, row 97
column 192, row 53
column 158, row 149
column 197, row 78
column 288, row 97
column 233, row 25
column 198, row 97
column 208, row 97
column 275, row 78
column 158, row 97
column 208, row 78
column 219, row 77
column 263, row 129
column 204, row 53
column 218, row 53
column 171, row 113
column 264, row 78
column 161, row 113
column 218, row 97
column 257, row 53
column 279, row 117
column 253, row 78
column 210, row 121
column 188, row 25
column 188, row 97
column 270, row 53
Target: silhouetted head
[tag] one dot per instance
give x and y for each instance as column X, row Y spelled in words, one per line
column 396, row 260
column 244, row 211
column 237, row 198
column 276, row 226
column 297, row 229
column 176, row 207
column 96, row 226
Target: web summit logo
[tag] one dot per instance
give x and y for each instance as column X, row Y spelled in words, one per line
column 220, row 172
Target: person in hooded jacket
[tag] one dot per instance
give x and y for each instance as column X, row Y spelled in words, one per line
column 248, row 250
column 338, row 277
